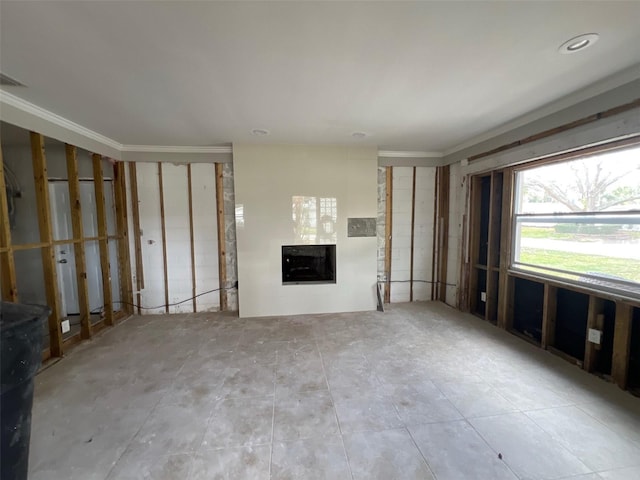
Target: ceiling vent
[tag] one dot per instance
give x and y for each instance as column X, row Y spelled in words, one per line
column 6, row 81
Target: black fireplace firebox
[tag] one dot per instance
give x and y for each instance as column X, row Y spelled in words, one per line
column 308, row 264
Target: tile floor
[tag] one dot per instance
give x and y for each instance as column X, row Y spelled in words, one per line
column 419, row 392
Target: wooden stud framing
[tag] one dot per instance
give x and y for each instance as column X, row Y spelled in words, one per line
column 101, row 212
column 7, row 262
column 124, row 265
column 464, row 267
column 191, row 236
column 474, row 240
column 78, row 233
column 41, row 183
column 594, row 320
column 164, row 240
column 621, row 344
column 505, row 319
column 560, row 129
column 549, row 308
column 434, row 239
column 222, row 249
column 493, row 254
column 413, row 225
column 443, row 230
column 137, row 237
column 388, row 230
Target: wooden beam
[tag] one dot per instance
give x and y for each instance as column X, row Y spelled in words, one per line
column 504, row 320
column 7, row 262
column 191, row 239
column 137, row 236
column 594, row 320
column 434, row 237
column 413, row 228
column 222, row 249
column 462, row 299
column 621, row 344
column 475, row 196
column 493, row 246
column 78, row 234
column 549, row 307
column 101, row 212
column 164, row 240
column 124, row 261
column 41, row 182
column 388, row 230
column 443, row 230
column 562, row 128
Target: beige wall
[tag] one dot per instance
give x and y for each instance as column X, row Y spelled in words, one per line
column 266, row 178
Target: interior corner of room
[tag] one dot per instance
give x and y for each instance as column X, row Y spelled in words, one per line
column 277, row 186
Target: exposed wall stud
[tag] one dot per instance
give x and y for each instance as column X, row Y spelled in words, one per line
column 388, row 233
column 444, row 176
column 596, row 308
column 504, row 320
column 475, row 194
column 621, row 344
column 101, row 212
column 78, row 234
column 464, row 267
column 164, row 240
column 124, row 265
column 222, row 251
column 7, row 262
column 191, row 238
column 434, row 240
column 549, row 308
column 493, row 250
column 41, row 182
column 413, row 239
column 137, row 237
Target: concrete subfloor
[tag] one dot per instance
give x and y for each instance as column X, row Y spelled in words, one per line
column 419, row 392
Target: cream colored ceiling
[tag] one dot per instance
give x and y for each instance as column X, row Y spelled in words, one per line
column 423, row 76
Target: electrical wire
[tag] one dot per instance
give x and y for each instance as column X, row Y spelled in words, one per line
column 419, row 281
column 100, row 309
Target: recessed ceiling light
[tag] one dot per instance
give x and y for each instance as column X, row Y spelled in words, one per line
column 578, row 43
column 259, row 132
column 359, row 134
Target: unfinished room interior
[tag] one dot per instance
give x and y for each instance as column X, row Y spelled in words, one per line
column 320, row 240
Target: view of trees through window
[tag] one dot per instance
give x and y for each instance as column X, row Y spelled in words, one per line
column 314, row 219
column 580, row 219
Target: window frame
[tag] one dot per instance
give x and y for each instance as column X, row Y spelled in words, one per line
column 610, row 286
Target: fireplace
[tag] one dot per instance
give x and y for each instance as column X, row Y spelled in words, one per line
column 308, row 264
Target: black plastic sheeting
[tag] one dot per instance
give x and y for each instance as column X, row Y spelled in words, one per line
column 20, row 358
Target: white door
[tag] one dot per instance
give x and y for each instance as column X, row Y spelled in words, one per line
column 62, row 230
column 91, row 249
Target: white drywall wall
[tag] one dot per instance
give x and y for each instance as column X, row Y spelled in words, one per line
column 178, row 237
column 152, row 294
column 401, row 233
column 205, row 242
column 266, row 179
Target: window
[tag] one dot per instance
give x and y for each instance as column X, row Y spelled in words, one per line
column 314, row 219
column 580, row 220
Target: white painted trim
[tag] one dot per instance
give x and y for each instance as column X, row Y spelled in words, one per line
column 408, row 154
column 29, row 108
column 175, row 149
column 609, row 83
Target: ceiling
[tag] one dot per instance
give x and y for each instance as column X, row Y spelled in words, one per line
column 424, row 76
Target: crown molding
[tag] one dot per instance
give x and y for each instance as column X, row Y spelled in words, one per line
column 609, row 83
column 9, row 99
column 175, row 149
column 408, row 154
